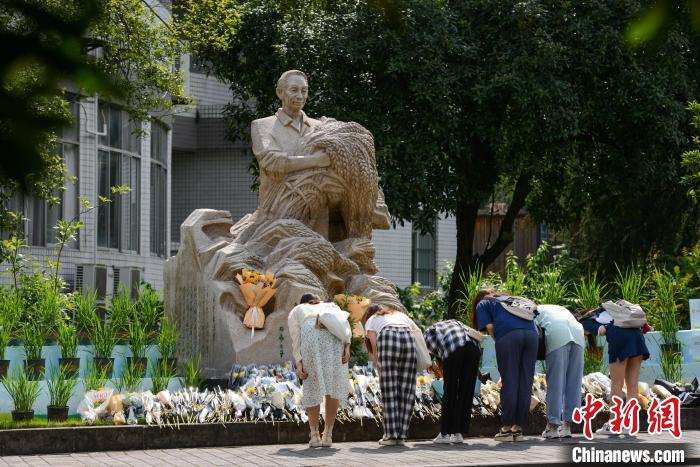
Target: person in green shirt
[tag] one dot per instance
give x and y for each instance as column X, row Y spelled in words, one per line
column 564, row 341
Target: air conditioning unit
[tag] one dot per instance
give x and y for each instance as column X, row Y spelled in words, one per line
column 89, row 277
column 128, row 278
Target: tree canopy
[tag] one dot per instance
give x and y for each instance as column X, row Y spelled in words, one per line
column 116, row 47
column 545, row 100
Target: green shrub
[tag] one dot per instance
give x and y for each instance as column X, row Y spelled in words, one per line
column 168, row 338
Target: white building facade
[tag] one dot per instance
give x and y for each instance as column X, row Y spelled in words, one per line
column 125, row 241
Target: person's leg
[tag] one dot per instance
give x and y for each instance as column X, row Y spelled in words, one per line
column 329, row 420
column 314, row 414
column 450, row 396
column 634, row 365
column 617, row 378
column 556, row 373
column 467, row 383
column 508, row 359
column 388, row 382
column 572, row 390
column 407, row 383
column 526, row 375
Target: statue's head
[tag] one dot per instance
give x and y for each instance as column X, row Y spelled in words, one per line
column 293, row 89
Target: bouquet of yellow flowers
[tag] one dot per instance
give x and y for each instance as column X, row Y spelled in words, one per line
column 257, row 289
column 356, row 305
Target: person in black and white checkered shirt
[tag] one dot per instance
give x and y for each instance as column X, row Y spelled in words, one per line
column 460, row 355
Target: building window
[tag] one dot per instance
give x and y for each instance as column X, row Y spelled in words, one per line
column 159, row 188
column 423, row 258
column 42, row 218
column 119, row 163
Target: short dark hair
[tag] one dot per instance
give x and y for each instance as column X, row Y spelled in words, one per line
column 310, row 298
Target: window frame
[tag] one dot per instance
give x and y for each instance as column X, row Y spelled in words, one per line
column 120, row 203
column 416, row 249
column 159, row 199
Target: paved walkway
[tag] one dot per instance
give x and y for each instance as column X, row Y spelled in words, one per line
column 476, row 451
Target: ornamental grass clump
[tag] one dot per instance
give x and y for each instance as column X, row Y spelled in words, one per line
column 95, row 378
column 631, row 284
column 193, row 374
column 33, row 341
column 104, row 340
column 120, row 312
column 22, row 390
column 148, row 309
column 86, row 318
column 60, row 387
column 589, row 292
column 168, row 339
column 68, row 340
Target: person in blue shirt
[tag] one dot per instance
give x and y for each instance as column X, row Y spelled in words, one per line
column 516, row 355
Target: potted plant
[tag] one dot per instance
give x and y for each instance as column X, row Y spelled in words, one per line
column 68, row 342
column 119, row 313
column 95, row 378
column 33, row 345
column 4, row 340
column 24, row 392
column 13, row 307
column 161, row 372
column 138, row 346
column 130, row 379
column 167, row 343
column 48, row 315
column 86, row 316
column 149, row 308
column 60, row 387
column 103, row 341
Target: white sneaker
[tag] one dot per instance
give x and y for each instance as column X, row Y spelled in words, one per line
column 388, row 442
column 456, row 438
column 564, row 432
column 551, row 433
column 606, row 431
column 442, row 439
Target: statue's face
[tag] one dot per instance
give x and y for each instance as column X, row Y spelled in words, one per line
column 294, row 95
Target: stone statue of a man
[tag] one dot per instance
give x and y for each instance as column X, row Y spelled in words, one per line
column 282, row 157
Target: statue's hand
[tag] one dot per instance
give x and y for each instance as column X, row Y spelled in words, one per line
column 321, row 158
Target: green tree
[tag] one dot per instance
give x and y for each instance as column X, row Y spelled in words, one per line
column 691, row 158
column 544, row 98
column 120, row 48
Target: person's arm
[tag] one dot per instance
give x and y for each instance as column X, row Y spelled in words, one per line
column 484, row 318
column 294, row 333
column 346, row 353
column 372, row 336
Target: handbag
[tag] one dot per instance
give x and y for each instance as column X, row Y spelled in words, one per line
column 474, row 334
column 517, row 306
column 335, row 321
column 423, row 358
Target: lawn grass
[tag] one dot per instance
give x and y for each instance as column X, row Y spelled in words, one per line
column 40, row 421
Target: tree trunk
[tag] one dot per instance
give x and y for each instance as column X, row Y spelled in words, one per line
column 466, row 260
column 465, row 218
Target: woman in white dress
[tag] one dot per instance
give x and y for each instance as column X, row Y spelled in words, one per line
column 322, row 364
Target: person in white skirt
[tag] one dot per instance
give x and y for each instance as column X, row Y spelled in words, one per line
column 321, row 363
column 393, row 348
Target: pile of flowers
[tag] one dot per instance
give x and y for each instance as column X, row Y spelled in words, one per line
column 269, row 393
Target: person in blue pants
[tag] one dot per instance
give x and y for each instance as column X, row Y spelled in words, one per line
column 516, row 355
column 564, row 342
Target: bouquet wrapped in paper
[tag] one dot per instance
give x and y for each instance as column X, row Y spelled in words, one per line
column 356, row 305
column 257, row 289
